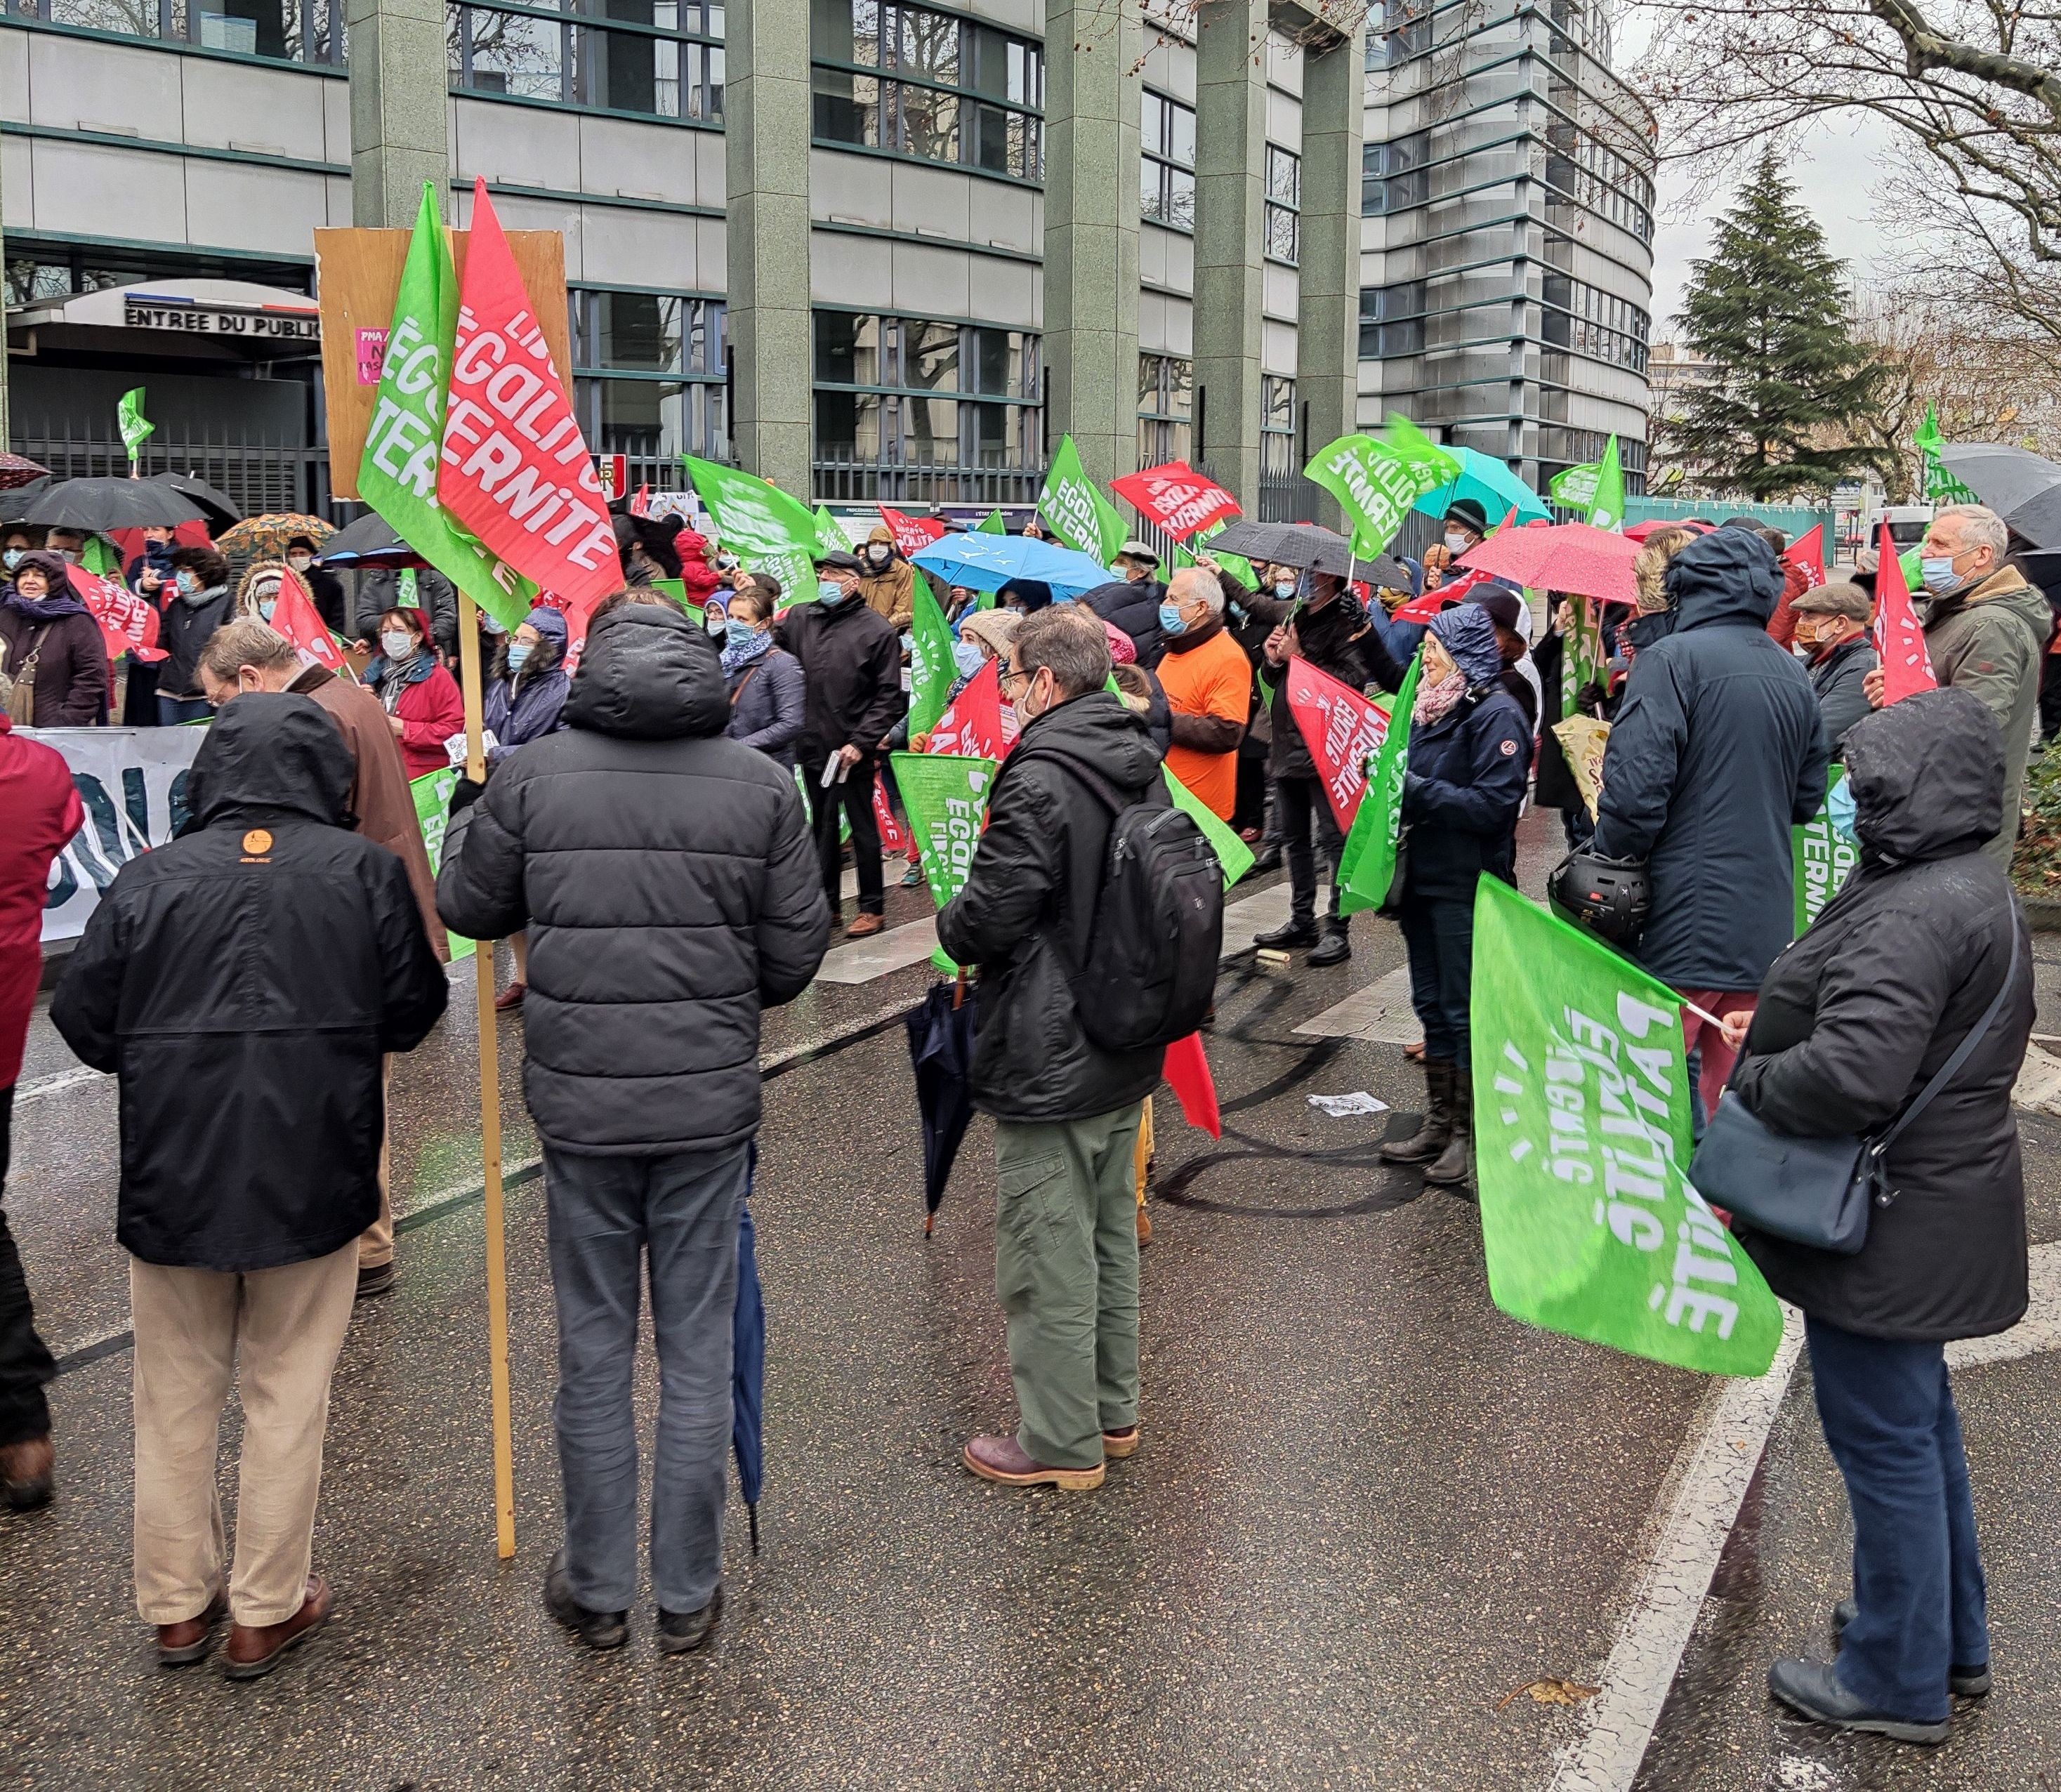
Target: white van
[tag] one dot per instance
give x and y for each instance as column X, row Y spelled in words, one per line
column 1908, row 524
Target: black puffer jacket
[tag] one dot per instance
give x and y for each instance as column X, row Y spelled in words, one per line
column 851, row 660
column 1855, row 1019
column 667, row 880
column 1028, row 907
column 1717, row 751
column 243, row 981
column 1134, row 609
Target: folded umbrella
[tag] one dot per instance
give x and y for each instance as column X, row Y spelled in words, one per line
column 1490, row 484
column 1568, row 557
column 102, row 506
column 940, row 1049
column 982, row 562
column 1306, row 546
column 747, row 1362
column 2022, row 487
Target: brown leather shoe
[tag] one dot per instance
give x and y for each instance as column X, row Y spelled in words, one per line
column 511, row 998
column 861, row 924
column 1001, row 1458
column 1144, row 1229
column 1117, row 1444
column 183, row 1644
column 25, row 1470
column 255, row 1649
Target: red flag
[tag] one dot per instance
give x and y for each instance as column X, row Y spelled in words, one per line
column 894, row 838
column 971, row 725
column 294, row 615
column 1177, row 498
column 910, row 533
column 1453, row 591
column 515, row 469
column 1806, row 554
column 640, row 505
column 1905, row 666
column 1340, row 728
column 128, row 624
column 1187, row 1074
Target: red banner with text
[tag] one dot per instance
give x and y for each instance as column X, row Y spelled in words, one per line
column 1340, row 728
column 1177, row 498
column 1905, row 666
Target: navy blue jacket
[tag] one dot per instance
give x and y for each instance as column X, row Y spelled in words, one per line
column 767, row 702
column 1460, row 800
column 527, row 711
column 1717, row 751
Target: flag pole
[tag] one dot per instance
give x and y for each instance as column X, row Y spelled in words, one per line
column 490, row 1120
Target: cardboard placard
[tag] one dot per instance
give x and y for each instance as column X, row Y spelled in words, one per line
column 358, row 278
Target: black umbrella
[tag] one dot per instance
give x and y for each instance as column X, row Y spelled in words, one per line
column 2022, row 487
column 17, row 501
column 367, row 544
column 221, row 512
column 747, row 1365
column 104, row 505
column 941, row 1049
column 1304, row 544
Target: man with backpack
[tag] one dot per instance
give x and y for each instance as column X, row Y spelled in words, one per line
column 1091, row 962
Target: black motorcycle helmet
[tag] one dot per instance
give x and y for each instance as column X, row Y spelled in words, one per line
column 1607, row 897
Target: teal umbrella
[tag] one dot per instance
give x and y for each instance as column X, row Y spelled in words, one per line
column 1490, row 484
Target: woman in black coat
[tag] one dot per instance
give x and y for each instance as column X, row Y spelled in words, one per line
column 767, row 692
column 1853, row 1021
column 1469, row 755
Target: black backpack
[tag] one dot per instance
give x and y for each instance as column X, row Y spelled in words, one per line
column 1149, row 972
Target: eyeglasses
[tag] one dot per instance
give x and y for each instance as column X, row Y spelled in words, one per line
column 1020, row 678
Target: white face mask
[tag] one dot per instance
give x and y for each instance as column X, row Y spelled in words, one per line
column 880, row 555
column 396, row 644
column 300, row 563
column 1456, row 543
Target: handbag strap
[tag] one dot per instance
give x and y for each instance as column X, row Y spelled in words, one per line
column 1969, row 1041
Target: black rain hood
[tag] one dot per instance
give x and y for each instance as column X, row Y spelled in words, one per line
column 647, row 673
column 1728, row 576
column 1097, row 731
column 1927, row 775
column 272, row 753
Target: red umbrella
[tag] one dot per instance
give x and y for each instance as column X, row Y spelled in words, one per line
column 1564, row 557
column 18, row 470
column 1639, row 531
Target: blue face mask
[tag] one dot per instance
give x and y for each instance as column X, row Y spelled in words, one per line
column 828, row 590
column 968, row 658
column 1939, row 574
column 266, row 606
column 739, row 634
column 1171, row 621
column 1839, row 809
column 517, row 652
column 1284, row 589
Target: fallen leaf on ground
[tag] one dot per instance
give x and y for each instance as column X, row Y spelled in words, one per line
column 1551, row 1692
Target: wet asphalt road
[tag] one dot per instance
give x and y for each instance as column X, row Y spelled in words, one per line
column 1369, row 1509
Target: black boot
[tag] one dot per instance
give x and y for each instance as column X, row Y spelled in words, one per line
column 1293, row 933
column 1334, row 948
column 1456, row 1162
column 1436, row 1131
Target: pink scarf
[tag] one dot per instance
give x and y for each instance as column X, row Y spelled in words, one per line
column 1434, row 700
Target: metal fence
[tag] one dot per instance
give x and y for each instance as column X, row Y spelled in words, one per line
column 1289, row 498
column 842, row 481
column 260, row 478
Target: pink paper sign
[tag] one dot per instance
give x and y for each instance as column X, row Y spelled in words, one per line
column 371, row 355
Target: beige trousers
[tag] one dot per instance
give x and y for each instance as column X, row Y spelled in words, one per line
column 276, row 1333
column 375, row 1243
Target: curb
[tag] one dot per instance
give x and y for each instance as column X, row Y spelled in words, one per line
column 2043, row 913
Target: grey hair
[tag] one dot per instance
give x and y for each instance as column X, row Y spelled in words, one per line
column 1983, row 527
column 245, row 641
column 1194, row 581
column 1078, row 654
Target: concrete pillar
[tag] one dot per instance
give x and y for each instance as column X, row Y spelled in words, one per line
column 766, row 165
column 1092, row 50
column 1327, row 325
column 6, row 427
column 400, row 131
column 1230, row 198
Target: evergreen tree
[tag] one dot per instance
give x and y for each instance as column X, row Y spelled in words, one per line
column 1788, row 382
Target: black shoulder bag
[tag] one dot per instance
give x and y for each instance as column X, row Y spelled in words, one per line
column 1816, row 1191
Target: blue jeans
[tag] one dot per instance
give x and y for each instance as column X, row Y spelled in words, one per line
column 606, row 1213
column 1439, row 932
column 1890, row 1422
column 174, row 711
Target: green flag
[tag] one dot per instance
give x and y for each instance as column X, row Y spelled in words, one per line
column 830, row 538
column 1236, row 565
column 931, row 664
column 995, row 524
column 397, row 474
column 1574, row 488
column 1366, row 862
column 1232, row 853
column 1587, row 663
column 1821, row 856
column 134, row 425
column 1941, row 486
column 1607, row 506
column 1581, row 1132
column 1078, row 513
column 945, row 796
column 98, row 556
column 1375, row 481
column 432, row 793
column 767, row 529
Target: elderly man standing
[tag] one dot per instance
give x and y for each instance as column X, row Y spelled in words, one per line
column 1986, row 631
column 1831, row 624
column 1208, row 683
column 244, row 981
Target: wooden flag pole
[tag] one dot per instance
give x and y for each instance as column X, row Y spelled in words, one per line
column 490, row 1120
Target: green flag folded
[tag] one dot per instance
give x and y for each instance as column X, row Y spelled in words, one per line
column 1607, row 505
column 1590, row 1227
column 1078, row 513
column 945, row 796
column 1941, row 486
column 397, row 474
column 1376, row 481
column 931, row 664
column 432, row 793
column 1821, row 856
column 134, row 424
column 995, row 524
column 1232, row 853
column 769, row 529
column 1366, row 862
column 1585, row 662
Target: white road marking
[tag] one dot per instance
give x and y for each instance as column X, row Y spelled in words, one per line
column 860, row 961
column 57, row 1083
column 1253, row 914
column 1379, row 1011
column 2040, row 1329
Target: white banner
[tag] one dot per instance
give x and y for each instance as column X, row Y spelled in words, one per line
column 132, row 782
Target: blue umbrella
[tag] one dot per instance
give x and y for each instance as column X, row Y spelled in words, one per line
column 747, row 1366
column 1490, row 484
column 987, row 562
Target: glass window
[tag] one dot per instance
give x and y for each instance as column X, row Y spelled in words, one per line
column 846, row 107
column 928, row 122
column 1284, row 196
column 1167, row 137
column 924, row 413
column 529, row 57
column 848, row 349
